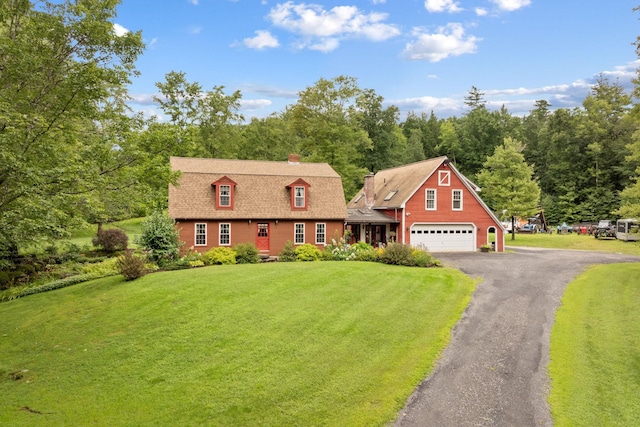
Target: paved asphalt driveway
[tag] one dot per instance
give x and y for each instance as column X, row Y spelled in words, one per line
column 493, row 373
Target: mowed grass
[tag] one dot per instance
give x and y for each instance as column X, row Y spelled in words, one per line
column 279, row 344
column 595, row 350
column 574, row 241
column 132, row 227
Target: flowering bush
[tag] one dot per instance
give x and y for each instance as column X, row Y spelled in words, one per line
column 340, row 250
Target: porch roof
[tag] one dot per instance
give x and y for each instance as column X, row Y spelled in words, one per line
column 363, row 215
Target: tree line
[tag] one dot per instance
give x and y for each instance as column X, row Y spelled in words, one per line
column 72, row 152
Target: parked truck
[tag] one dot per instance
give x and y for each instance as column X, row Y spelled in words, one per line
column 605, row 230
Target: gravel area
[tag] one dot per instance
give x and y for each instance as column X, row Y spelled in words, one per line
column 493, row 373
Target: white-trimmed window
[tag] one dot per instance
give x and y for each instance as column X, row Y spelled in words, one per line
column 299, row 201
column 430, row 199
column 224, row 237
column 321, row 233
column 456, row 200
column 225, row 195
column 201, row 234
column 444, row 178
column 298, row 233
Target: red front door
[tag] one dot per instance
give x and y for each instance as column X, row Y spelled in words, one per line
column 262, row 240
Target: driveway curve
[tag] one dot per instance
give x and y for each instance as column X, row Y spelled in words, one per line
column 494, row 371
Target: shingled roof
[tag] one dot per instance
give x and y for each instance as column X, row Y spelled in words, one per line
column 393, row 187
column 261, row 191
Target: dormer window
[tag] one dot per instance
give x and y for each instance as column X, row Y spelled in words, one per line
column 224, row 192
column 224, row 196
column 300, row 199
column 299, row 195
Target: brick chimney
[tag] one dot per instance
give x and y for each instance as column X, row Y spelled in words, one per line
column 294, row 159
column 369, row 191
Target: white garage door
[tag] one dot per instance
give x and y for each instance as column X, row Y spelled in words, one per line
column 444, row 237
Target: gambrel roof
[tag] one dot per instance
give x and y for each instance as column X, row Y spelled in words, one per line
column 261, row 190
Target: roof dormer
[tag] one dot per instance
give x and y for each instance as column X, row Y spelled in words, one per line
column 224, row 189
column 299, row 191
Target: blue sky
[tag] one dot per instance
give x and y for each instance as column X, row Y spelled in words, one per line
column 420, row 55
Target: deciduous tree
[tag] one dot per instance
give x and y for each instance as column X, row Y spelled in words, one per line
column 507, row 182
column 63, row 71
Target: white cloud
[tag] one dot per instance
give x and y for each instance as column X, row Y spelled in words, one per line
column 152, row 43
column 194, row 2
column 428, row 103
column 196, row 29
column 450, row 6
column 623, row 72
column 254, row 104
column 378, row 1
column 262, row 40
column 322, row 29
column 447, row 41
column 481, row 11
column 119, row 30
column 511, row 5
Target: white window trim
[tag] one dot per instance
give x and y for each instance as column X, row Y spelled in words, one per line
column 444, row 178
column 228, row 196
column 296, row 197
column 435, row 199
column 220, row 234
column 324, row 233
column 453, row 200
column 195, row 234
column 295, row 233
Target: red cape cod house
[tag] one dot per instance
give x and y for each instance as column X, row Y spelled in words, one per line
column 427, row 204
column 225, row 202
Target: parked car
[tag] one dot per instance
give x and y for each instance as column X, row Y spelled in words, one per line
column 528, row 228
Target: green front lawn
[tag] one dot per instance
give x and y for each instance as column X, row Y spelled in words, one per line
column 595, row 350
column 331, row 343
column 574, row 241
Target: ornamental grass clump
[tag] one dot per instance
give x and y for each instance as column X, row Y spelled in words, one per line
column 131, row 266
column 422, row 258
column 397, row 254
